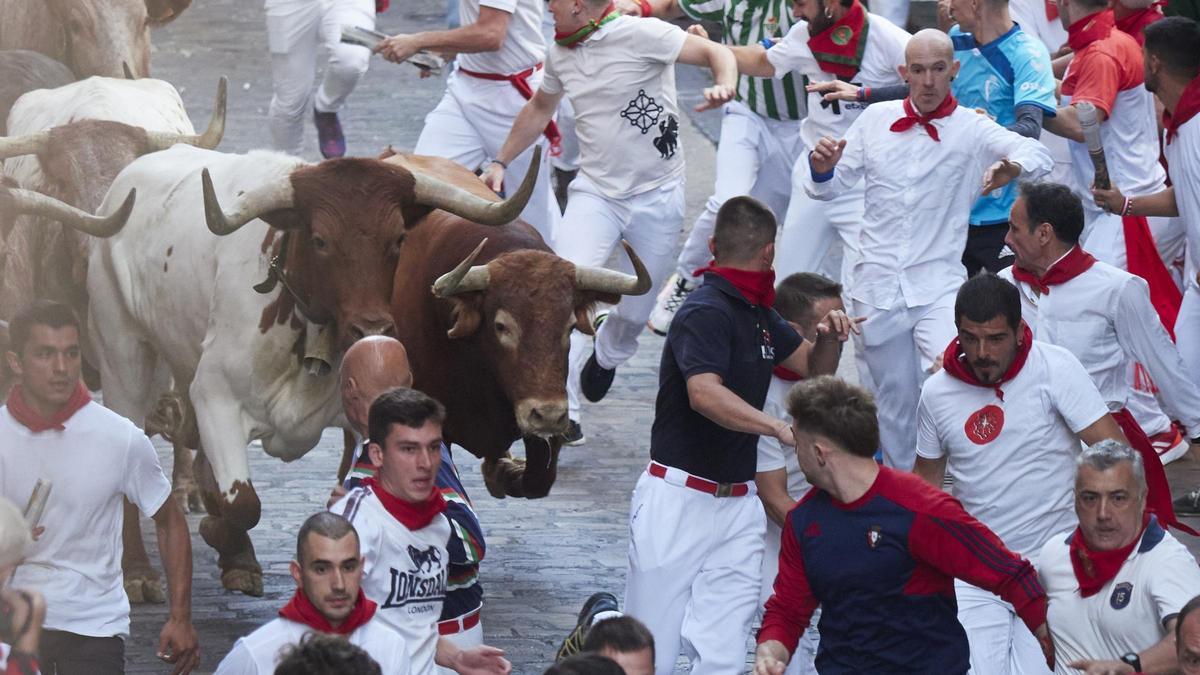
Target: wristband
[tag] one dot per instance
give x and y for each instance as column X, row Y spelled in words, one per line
column 1128, row 208
column 496, row 161
column 863, row 93
column 767, row 43
column 646, row 9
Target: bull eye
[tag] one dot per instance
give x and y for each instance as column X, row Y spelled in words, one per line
column 501, row 328
column 318, row 242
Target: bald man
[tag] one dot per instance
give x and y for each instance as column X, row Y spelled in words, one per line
column 378, row 364
column 924, row 161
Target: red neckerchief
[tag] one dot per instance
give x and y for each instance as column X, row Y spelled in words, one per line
column 839, row 48
column 1075, row 262
column 1089, row 29
column 912, row 118
column 301, row 610
column 26, row 415
column 573, row 40
column 412, row 516
column 1134, row 22
column 786, row 374
column 757, row 287
column 1186, row 109
column 1094, row 569
column 1051, row 10
column 956, row 364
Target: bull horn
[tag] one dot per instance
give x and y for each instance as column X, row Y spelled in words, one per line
column 36, row 203
column 161, row 140
column 29, row 144
column 439, row 194
column 128, row 73
column 610, row 281
column 270, row 196
column 465, row 278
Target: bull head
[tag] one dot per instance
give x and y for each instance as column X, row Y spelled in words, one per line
column 35, row 203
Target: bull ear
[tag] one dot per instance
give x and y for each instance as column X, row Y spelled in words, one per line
column 585, row 307
column 165, row 11
column 466, row 318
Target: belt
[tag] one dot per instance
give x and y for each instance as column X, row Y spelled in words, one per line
column 520, row 82
column 460, row 624
column 682, row 478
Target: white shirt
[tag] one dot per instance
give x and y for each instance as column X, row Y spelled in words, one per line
column 883, row 54
column 97, row 460
column 1104, row 317
column 523, row 45
column 919, row 194
column 404, row 572
column 772, row 455
column 1183, row 159
column 259, row 652
column 1013, row 459
column 621, row 82
column 1128, row 614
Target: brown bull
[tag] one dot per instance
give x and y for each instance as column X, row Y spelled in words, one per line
column 491, row 339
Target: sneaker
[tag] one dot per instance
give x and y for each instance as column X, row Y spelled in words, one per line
column 595, row 380
column 330, row 138
column 574, row 434
column 1189, row 504
column 672, row 296
column 597, row 603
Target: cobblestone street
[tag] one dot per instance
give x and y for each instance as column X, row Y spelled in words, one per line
column 544, row 557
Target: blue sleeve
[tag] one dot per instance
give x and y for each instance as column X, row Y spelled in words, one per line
column 1033, row 78
column 701, row 339
column 466, row 546
column 783, row 336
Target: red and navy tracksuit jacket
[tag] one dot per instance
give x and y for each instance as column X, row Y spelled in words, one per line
column 882, row 569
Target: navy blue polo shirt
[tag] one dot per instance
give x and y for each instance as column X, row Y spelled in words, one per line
column 716, row 330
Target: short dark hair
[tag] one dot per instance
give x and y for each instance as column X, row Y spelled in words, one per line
column 796, row 295
column 986, row 296
column 328, row 525
column 840, row 411
column 620, row 634
column 1053, row 203
column 585, row 664
column 1175, row 40
column 407, row 407
column 744, row 226
column 1191, row 606
column 38, row 313
column 324, row 654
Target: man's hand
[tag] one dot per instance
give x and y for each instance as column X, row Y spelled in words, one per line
column 826, row 155
column 178, row 644
column 715, row 97
column 398, row 48
column 835, row 90
column 628, row 7
column 1000, row 174
column 482, row 660
column 493, row 177
column 771, row 658
column 1089, row 667
column 698, row 30
column 334, row 495
column 1110, row 200
column 836, row 325
column 28, row 613
column 1046, row 643
column 38, row 531
column 783, row 433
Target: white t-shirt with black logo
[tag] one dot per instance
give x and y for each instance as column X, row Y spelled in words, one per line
column 404, row 571
column 621, row 82
column 1013, row 458
column 260, row 652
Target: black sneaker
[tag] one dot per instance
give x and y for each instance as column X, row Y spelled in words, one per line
column 1189, row 504
column 330, row 139
column 595, row 380
column 573, row 643
column 574, row 434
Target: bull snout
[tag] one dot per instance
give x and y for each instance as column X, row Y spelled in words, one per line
column 372, row 325
column 542, row 418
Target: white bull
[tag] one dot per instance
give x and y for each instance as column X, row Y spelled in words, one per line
column 168, row 286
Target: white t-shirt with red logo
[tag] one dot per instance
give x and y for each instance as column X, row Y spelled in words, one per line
column 1013, row 458
column 404, row 571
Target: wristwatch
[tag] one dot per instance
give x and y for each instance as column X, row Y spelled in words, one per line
column 1132, row 660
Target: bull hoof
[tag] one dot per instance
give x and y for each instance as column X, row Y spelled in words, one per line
column 503, row 477
column 248, row 582
column 144, row 588
column 187, row 494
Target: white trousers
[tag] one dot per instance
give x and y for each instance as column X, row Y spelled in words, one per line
column 812, row 227
column 467, row 639
column 803, row 659
column 470, row 124
column 693, row 578
column 900, row 345
column 1000, row 642
column 295, row 31
column 754, row 157
column 1187, row 327
column 592, row 228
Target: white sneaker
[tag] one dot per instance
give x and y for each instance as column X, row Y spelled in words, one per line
column 670, row 298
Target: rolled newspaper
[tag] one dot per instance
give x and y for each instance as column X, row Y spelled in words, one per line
column 1090, row 125
column 425, row 60
column 37, row 502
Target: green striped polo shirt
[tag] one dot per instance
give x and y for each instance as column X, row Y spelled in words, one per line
column 747, row 22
